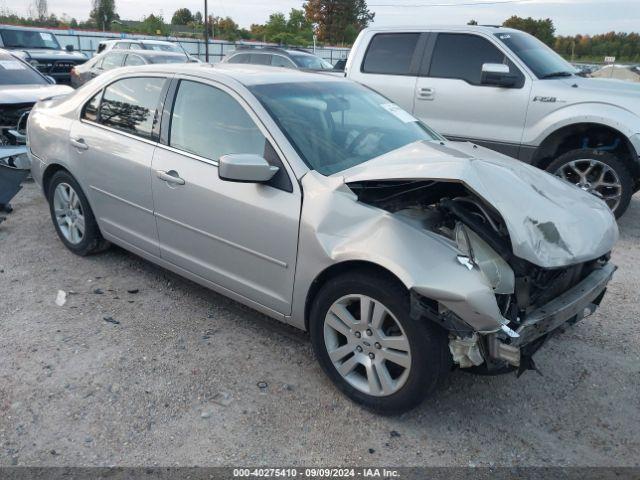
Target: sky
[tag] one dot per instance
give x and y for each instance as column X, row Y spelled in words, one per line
column 569, row 16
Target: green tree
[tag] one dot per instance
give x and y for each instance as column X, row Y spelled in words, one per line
column 542, row 29
column 103, row 13
column 226, row 28
column 275, row 26
column 182, row 16
column 154, row 25
column 472, row 22
column 333, row 17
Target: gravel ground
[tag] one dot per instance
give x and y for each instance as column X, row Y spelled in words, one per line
column 177, row 380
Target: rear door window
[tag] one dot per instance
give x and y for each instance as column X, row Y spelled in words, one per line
column 240, row 58
column 280, row 61
column 260, row 59
column 133, row 60
column 112, row 60
column 90, row 109
column 461, row 56
column 391, row 53
column 130, row 105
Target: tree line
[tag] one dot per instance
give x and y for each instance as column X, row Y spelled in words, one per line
column 334, row 22
column 581, row 48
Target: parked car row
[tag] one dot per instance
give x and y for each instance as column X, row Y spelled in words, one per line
column 111, row 59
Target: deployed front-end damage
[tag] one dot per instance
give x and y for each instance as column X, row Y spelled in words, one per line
column 496, row 252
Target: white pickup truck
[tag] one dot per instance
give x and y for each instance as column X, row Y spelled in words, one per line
column 506, row 90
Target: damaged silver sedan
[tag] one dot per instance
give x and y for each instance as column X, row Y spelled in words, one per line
column 318, row 202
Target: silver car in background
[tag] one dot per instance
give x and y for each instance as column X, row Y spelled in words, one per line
column 319, row 203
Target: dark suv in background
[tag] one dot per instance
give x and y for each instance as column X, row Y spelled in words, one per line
column 41, row 49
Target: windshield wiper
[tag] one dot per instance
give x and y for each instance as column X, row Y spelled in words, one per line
column 563, row 73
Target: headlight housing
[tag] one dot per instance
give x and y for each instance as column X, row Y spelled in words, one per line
column 495, row 269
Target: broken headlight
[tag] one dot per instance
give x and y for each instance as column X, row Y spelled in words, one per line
column 495, row 269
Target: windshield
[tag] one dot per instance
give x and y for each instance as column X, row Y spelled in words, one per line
column 541, row 60
column 16, row 72
column 162, row 47
column 336, row 125
column 311, row 62
column 29, row 39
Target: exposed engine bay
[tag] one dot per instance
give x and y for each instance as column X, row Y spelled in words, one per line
column 454, row 212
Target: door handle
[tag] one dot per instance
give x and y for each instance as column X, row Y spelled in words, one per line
column 170, row 177
column 79, row 143
column 426, row 93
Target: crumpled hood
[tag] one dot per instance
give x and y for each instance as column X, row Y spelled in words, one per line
column 30, row 93
column 550, row 222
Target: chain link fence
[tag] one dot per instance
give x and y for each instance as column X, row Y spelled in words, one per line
column 87, row 43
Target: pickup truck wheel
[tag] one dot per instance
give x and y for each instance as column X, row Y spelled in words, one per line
column 597, row 172
column 72, row 216
column 370, row 347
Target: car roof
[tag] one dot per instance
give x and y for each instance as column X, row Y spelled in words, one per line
column 246, row 74
column 292, row 52
column 488, row 29
column 138, row 40
column 147, row 53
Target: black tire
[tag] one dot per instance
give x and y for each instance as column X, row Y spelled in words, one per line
column 609, row 159
column 430, row 357
column 92, row 240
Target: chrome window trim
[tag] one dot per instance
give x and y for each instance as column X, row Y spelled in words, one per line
column 115, row 130
column 188, row 154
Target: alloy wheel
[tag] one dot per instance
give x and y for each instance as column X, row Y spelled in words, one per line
column 367, row 345
column 594, row 177
column 68, row 212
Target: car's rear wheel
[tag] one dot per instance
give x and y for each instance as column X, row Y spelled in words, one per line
column 371, row 348
column 600, row 173
column 72, row 216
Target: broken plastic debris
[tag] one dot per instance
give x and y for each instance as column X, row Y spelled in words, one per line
column 222, row 398
column 111, row 320
column 61, row 298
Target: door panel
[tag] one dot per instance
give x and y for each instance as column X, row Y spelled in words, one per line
column 115, row 170
column 242, row 236
column 112, row 149
column 450, row 98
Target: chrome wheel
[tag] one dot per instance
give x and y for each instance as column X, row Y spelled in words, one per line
column 594, row 177
column 68, row 212
column 367, row 345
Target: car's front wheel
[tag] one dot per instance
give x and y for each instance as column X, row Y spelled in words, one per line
column 72, row 216
column 597, row 172
column 371, row 348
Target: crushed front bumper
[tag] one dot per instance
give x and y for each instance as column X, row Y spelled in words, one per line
column 572, row 306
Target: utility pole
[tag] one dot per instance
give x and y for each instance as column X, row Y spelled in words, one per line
column 206, row 32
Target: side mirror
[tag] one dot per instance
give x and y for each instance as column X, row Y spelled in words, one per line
column 498, row 75
column 50, row 79
column 69, row 48
column 245, row 168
